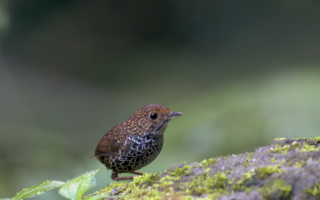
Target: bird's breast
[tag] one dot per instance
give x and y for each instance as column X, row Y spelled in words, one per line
column 138, row 151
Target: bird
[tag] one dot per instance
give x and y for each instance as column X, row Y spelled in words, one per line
column 136, row 142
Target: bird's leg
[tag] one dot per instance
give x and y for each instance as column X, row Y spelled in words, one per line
column 138, row 173
column 124, row 178
column 114, row 176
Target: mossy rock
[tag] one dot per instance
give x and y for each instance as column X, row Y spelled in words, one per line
column 285, row 169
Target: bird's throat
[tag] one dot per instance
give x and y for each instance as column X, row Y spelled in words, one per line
column 162, row 125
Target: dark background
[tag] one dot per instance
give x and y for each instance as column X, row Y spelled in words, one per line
column 242, row 72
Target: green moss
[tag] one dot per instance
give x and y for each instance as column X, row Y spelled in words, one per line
column 204, row 184
column 276, row 189
column 248, row 175
column 188, row 198
column 273, row 160
column 313, row 190
column 167, row 181
column 185, row 170
column 280, row 139
column 140, row 186
column 239, row 185
column 208, row 162
column 313, row 140
column 146, row 178
column 317, row 139
column 281, row 149
column 299, row 164
column 307, row 148
column 246, row 162
column 217, row 181
column 295, row 145
column 264, row 172
column 285, row 148
column 290, row 163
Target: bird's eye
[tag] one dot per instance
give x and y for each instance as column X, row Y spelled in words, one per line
column 153, row 116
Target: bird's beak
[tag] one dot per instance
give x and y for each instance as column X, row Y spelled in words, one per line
column 175, row 114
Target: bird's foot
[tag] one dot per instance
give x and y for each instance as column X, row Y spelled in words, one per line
column 138, row 173
column 114, row 176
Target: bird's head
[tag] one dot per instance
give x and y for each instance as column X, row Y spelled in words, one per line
column 153, row 118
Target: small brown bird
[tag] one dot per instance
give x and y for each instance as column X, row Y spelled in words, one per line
column 136, row 142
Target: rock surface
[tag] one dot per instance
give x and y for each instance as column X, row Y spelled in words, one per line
column 285, row 169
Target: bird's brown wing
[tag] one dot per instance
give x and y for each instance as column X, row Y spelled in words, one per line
column 110, row 144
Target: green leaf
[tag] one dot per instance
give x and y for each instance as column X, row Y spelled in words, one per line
column 37, row 189
column 75, row 188
column 97, row 197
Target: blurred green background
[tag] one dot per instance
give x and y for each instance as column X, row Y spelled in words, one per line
column 242, row 72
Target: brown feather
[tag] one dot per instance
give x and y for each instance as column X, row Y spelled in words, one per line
column 110, row 144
